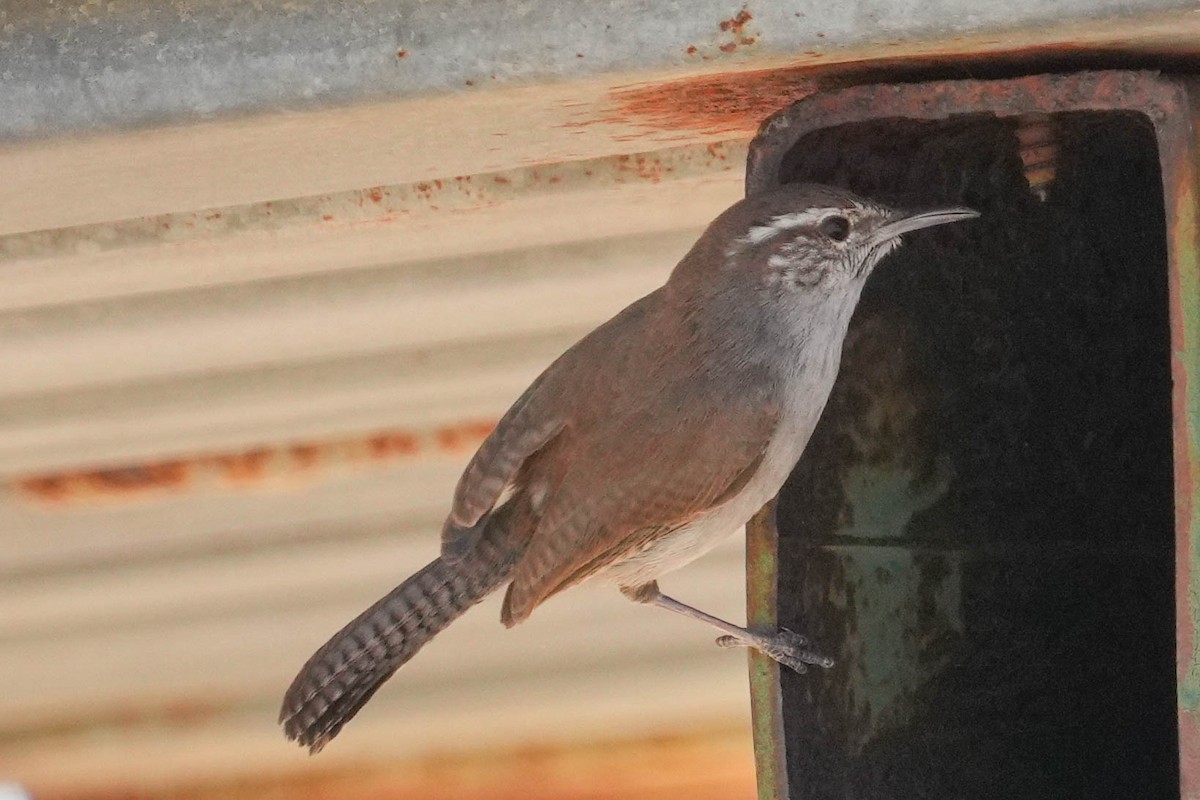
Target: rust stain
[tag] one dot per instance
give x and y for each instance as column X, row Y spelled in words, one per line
column 376, row 194
column 647, row 168
column 306, row 455
column 393, row 443
column 121, row 480
column 461, row 437
column 736, row 27
column 728, row 103
column 257, row 468
column 733, row 34
column 1103, row 90
column 248, row 467
column 706, row 761
column 401, row 54
column 737, row 23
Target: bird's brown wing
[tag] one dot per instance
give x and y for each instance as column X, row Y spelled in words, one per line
column 633, row 482
column 539, row 415
column 526, row 428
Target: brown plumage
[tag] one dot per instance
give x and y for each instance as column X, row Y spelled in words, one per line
column 642, row 446
column 347, row 670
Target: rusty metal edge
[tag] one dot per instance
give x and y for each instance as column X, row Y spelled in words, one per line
column 1177, row 147
column 1103, row 90
column 766, row 695
column 1166, row 102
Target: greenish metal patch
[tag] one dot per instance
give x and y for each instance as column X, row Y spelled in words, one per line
column 765, row 692
column 903, row 599
column 1184, row 236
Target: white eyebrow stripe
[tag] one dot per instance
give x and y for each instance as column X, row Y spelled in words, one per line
column 799, row 219
column 760, row 233
column 785, row 222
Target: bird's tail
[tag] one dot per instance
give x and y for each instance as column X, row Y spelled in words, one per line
column 343, row 674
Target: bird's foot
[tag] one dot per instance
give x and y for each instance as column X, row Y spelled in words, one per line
column 784, row 646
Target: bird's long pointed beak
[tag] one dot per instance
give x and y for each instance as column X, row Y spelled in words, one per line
column 923, row 219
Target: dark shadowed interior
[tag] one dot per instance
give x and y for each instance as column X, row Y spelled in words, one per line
column 981, row 529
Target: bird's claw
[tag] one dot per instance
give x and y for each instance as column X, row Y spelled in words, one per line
column 784, row 646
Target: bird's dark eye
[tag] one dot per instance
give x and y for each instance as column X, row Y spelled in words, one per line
column 835, row 227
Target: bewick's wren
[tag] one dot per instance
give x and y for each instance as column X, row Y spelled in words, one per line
column 644, row 445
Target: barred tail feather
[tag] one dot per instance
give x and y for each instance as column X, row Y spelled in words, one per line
column 348, row 669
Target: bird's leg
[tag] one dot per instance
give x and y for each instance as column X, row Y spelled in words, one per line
column 784, row 646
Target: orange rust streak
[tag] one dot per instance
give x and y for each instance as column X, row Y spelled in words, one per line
column 461, row 437
column 738, row 22
column 728, row 103
column 247, row 467
column 250, row 469
column 394, row 443
column 706, row 762
column 306, row 455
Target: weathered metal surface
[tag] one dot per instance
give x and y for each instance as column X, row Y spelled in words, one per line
column 557, row 680
column 1180, row 156
column 397, row 140
column 261, row 468
column 115, row 676
column 1161, row 101
column 243, row 158
column 150, row 617
column 524, row 207
column 152, row 604
column 67, row 67
column 977, row 475
column 765, row 696
column 723, row 104
column 708, row 762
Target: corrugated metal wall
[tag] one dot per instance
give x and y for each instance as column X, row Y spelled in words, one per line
column 225, row 431
column 244, row 355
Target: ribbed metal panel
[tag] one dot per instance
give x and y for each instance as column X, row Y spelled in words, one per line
column 243, row 357
column 224, row 432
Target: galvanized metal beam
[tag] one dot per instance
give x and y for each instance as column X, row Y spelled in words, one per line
column 68, row 67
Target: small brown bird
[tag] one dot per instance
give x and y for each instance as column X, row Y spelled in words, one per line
column 644, row 445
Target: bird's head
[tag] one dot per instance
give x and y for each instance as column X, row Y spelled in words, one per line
column 804, row 241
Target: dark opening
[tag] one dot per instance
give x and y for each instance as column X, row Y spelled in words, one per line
column 981, row 529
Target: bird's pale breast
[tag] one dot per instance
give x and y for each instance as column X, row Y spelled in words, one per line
column 670, row 552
